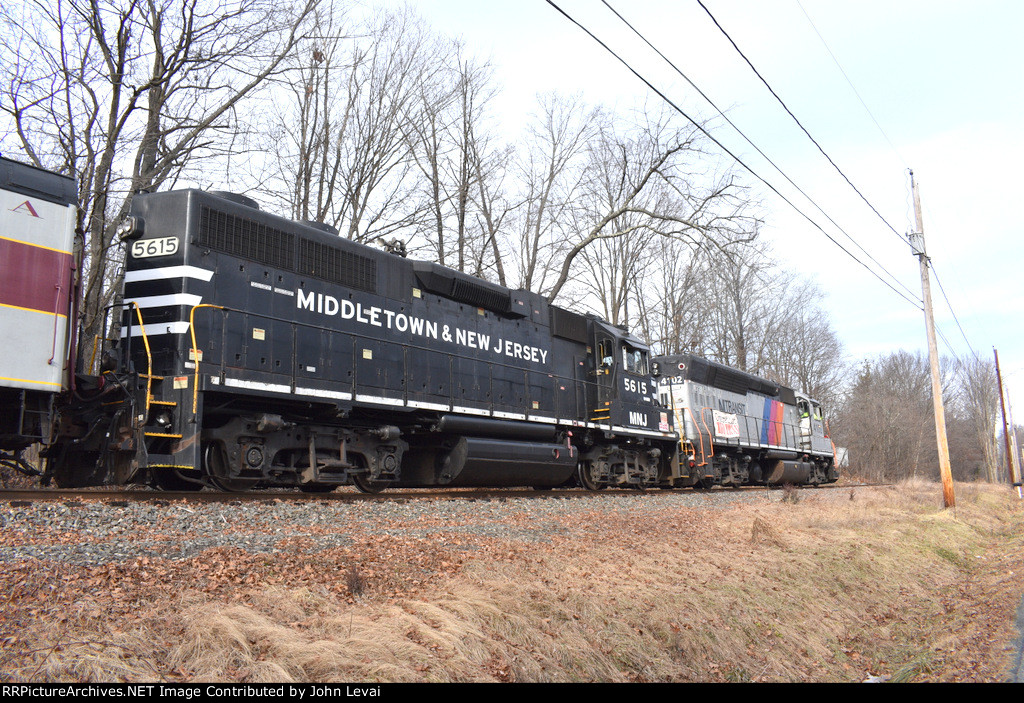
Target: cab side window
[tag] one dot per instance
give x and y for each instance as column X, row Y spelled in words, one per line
column 635, row 360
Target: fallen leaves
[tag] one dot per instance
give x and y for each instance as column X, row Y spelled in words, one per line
column 390, row 561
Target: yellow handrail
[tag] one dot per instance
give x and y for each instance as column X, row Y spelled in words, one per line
column 92, row 359
column 195, row 351
column 711, row 440
column 149, row 356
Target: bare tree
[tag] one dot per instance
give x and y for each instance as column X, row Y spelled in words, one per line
column 549, row 170
column 306, row 140
column 130, row 95
column 888, row 424
column 649, row 178
column 807, row 354
column 343, row 134
column 749, row 302
column 886, row 421
column 383, row 132
column 615, row 273
column 446, row 142
column 672, row 284
column 490, row 166
column 980, row 399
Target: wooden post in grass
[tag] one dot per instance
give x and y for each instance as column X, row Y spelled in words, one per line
column 1013, row 469
column 917, row 243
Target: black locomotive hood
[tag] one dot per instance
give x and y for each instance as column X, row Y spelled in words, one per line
column 711, row 373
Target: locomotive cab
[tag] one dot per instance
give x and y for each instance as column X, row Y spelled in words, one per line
column 813, row 435
column 624, row 400
column 626, row 390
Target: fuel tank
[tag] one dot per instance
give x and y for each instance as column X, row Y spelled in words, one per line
column 495, row 462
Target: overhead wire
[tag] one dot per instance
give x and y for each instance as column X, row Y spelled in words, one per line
column 953, row 313
column 780, row 171
column 915, row 302
column 755, row 146
column 799, row 124
column 949, row 304
column 813, row 140
column 899, row 156
column 934, row 271
column 850, row 82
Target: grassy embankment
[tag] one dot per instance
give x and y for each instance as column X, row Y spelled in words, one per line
column 880, row 582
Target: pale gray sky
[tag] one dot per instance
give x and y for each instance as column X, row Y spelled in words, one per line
column 942, row 78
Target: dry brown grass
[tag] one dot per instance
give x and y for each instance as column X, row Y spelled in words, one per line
column 885, row 583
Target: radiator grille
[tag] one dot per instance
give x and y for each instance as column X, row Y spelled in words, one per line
column 247, row 239
column 481, row 296
column 568, row 325
column 255, row 241
column 337, row 266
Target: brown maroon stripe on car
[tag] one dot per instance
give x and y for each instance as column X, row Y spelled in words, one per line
column 33, row 276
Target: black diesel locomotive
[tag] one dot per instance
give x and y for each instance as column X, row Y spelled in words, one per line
column 250, row 351
column 255, row 352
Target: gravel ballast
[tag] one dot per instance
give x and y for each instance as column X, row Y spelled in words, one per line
column 90, row 532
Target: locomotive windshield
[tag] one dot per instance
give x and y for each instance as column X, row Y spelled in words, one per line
column 635, row 360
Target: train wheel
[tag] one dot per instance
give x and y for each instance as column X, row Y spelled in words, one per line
column 362, row 481
column 585, row 473
column 74, row 468
column 364, row 484
column 215, row 460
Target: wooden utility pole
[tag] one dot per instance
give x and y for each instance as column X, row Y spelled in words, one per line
column 917, row 244
column 1006, row 432
column 1013, row 444
column 1009, row 433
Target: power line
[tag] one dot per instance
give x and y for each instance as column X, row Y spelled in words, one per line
column 953, row 313
column 756, row 148
column 900, row 157
column 914, row 302
column 952, row 352
column 852, row 87
column 799, row 124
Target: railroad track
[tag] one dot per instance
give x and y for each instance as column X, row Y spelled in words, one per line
column 344, row 494
column 214, row 496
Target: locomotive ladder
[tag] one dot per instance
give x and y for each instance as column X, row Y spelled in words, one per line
column 150, row 377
